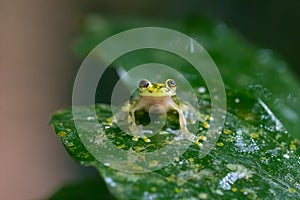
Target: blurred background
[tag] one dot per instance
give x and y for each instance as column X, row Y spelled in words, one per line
column 37, row 69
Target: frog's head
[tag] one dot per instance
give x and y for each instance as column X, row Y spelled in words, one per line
column 146, row 88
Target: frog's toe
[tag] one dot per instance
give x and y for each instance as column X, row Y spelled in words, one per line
column 109, row 121
column 135, row 138
column 146, row 139
column 199, row 144
column 202, row 138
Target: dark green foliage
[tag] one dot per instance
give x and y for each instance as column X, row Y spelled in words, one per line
column 255, row 156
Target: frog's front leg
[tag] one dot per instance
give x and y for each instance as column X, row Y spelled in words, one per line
column 183, row 124
column 126, row 111
column 133, row 128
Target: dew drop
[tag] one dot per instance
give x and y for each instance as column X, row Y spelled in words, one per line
column 89, row 118
column 201, row 89
column 236, row 100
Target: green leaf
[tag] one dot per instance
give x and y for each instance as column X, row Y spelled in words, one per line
column 255, row 156
column 247, row 161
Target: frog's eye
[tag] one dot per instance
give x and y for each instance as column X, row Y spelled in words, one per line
column 144, row 83
column 171, row 83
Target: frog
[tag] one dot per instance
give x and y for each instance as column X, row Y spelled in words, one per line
column 160, row 98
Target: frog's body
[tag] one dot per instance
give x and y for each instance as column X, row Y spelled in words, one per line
column 157, row 98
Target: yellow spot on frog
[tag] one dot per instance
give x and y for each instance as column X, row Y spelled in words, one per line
column 234, row 189
column 61, row 134
column 153, row 163
column 205, row 125
column 220, row 144
column 178, row 190
column 254, row 135
column 68, row 129
column 227, row 131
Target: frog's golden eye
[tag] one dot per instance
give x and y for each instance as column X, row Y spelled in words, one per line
column 144, row 83
column 171, row 83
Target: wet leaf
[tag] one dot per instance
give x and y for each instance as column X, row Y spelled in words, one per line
column 255, row 156
column 248, row 161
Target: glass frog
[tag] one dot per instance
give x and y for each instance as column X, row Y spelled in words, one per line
column 160, row 98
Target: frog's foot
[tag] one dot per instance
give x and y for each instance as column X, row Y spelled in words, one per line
column 109, row 121
column 196, row 141
column 146, row 139
column 135, row 131
column 191, row 137
column 199, row 144
column 136, row 138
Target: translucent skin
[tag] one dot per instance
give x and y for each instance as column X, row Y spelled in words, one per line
column 160, row 98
